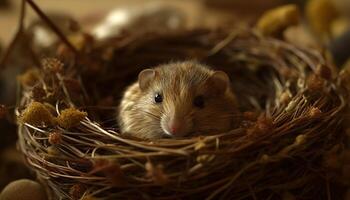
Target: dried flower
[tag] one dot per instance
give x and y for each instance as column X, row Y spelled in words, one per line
column 37, row 114
column 320, row 14
column 55, row 137
column 70, row 117
column 314, row 112
column 53, row 65
column 274, row 21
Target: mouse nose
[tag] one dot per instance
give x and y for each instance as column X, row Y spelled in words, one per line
column 175, row 127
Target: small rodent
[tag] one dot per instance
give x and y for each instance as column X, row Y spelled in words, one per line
column 177, row 100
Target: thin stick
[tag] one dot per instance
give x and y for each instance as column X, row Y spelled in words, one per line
column 52, row 26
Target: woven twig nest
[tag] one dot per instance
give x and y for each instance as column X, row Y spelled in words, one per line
column 292, row 107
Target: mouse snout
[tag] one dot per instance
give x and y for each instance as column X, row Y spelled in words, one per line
column 176, row 126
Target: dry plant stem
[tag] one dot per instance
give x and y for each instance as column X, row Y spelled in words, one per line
column 52, row 26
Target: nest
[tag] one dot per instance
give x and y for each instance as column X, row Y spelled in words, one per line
column 291, row 99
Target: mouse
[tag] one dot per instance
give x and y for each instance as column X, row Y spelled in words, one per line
column 176, row 100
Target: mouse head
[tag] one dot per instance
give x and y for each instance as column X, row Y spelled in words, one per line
column 188, row 98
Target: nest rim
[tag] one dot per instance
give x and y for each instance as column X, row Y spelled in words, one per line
column 201, row 151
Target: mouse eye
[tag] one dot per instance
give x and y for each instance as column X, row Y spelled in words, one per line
column 199, row 101
column 158, row 98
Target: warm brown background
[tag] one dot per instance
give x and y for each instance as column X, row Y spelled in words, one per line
column 79, row 9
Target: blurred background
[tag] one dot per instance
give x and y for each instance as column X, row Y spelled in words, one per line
column 324, row 22
column 82, row 9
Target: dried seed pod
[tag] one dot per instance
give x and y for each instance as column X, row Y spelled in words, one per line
column 315, row 83
column 263, row 125
column 55, row 137
column 52, row 65
column 300, row 139
column 314, row 112
column 320, row 14
column 70, row 117
column 274, row 21
column 37, row 114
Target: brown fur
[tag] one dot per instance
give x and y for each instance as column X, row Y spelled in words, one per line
column 179, row 84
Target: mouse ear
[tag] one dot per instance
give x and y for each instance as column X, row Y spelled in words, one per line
column 218, row 82
column 145, row 78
